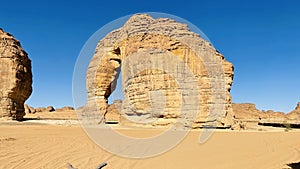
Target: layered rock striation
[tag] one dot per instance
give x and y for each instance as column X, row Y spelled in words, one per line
column 168, row 73
column 295, row 114
column 15, row 77
column 247, row 112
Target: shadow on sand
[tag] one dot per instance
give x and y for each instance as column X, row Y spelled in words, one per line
column 294, row 165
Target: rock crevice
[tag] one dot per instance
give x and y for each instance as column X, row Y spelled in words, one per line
column 15, row 77
column 155, row 47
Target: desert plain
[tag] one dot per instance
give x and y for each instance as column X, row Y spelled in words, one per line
column 54, row 139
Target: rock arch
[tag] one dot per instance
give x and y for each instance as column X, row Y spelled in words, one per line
column 143, row 36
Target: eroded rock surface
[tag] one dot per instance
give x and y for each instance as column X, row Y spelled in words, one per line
column 15, row 77
column 295, row 114
column 163, row 67
column 249, row 115
column 65, row 108
column 113, row 111
column 246, row 111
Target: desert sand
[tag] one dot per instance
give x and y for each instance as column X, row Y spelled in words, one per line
column 51, row 140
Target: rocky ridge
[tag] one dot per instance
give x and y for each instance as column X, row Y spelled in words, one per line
column 248, row 114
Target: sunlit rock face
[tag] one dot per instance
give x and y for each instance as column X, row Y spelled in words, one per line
column 15, row 77
column 168, row 73
column 295, row 114
column 248, row 115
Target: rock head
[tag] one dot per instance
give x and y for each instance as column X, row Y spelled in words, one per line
column 167, row 72
column 15, row 79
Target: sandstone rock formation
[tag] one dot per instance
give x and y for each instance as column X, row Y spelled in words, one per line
column 245, row 115
column 29, row 109
column 246, row 111
column 45, row 109
column 249, row 115
column 168, row 72
column 65, row 108
column 41, row 109
column 50, row 108
column 26, row 109
column 250, row 112
column 113, row 109
column 15, row 77
column 295, row 114
column 32, row 110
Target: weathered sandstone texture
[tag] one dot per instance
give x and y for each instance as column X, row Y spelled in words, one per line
column 168, row 72
column 15, row 77
column 248, row 114
column 113, row 109
column 29, row 109
column 295, row 114
column 45, row 109
column 65, row 108
column 32, row 110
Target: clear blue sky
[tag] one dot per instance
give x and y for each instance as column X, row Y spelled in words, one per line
column 261, row 39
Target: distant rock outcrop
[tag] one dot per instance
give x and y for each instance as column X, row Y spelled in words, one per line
column 26, row 109
column 65, row 108
column 248, row 114
column 30, row 109
column 295, row 114
column 245, row 111
column 15, row 77
column 45, row 109
column 41, row 109
column 153, row 42
column 50, row 109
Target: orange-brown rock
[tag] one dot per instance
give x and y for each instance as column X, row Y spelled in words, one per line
column 50, row 109
column 168, row 72
column 26, row 109
column 41, row 109
column 248, row 113
column 113, row 111
column 29, row 109
column 45, row 109
column 272, row 116
column 15, row 77
column 32, row 110
column 65, row 108
column 295, row 114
